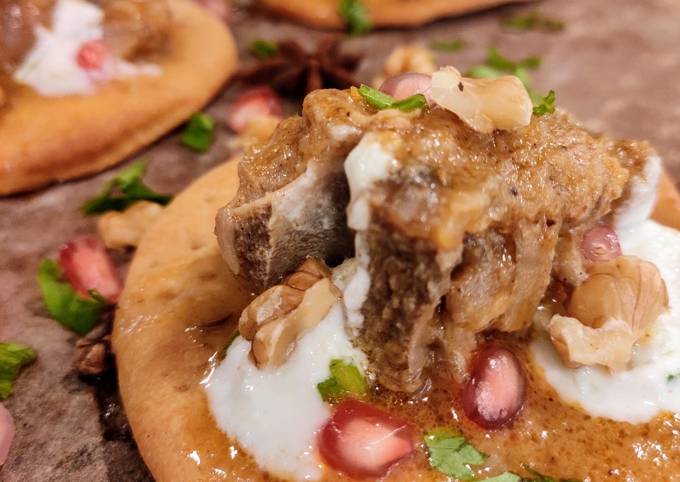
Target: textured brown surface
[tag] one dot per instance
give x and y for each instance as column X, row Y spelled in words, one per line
column 614, row 67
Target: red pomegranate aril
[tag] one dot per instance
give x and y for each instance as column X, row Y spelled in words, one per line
column 92, row 55
column 405, row 85
column 495, row 391
column 600, row 244
column 7, row 431
column 364, row 441
column 254, row 102
column 87, row 266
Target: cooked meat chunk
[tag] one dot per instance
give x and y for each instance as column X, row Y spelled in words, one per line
column 458, row 231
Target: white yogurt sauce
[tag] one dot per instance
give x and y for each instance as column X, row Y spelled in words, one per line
column 368, row 163
column 51, row 66
column 275, row 413
column 641, row 198
column 638, row 394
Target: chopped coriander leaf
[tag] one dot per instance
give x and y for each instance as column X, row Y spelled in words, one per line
column 546, row 105
column 484, row 71
column 13, row 356
column 539, row 477
column 416, row 101
column 376, row 98
column 380, row 100
column 345, row 379
column 354, row 13
column 499, row 61
column 64, row 304
column 199, row 133
column 504, row 477
column 533, row 21
column 132, row 189
column 451, row 454
column 672, row 377
column 447, row 46
column 263, row 49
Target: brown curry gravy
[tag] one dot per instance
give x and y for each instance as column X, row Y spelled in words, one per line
column 554, row 438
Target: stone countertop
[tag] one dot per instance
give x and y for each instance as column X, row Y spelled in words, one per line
column 615, row 66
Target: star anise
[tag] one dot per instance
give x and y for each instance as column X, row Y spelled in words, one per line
column 295, row 72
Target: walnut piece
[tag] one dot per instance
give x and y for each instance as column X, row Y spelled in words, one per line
column 626, row 288
column 610, row 345
column 483, row 104
column 123, row 229
column 407, row 58
column 615, row 307
column 92, row 356
column 276, row 319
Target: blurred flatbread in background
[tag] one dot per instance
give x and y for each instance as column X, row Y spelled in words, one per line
column 48, row 139
column 383, row 13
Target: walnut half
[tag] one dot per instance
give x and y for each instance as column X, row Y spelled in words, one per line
column 483, row 104
column 615, row 307
column 276, row 319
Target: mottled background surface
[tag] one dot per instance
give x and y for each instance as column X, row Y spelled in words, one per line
column 616, row 66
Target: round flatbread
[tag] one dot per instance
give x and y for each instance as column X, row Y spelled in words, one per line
column 383, row 13
column 48, row 139
column 175, row 316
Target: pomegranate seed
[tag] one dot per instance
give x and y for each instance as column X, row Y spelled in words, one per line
column 495, row 391
column 600, row 244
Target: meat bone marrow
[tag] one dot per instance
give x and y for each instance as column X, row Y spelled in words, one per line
column 459, row 232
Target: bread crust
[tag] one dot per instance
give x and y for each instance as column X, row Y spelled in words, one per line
column 52, row 139
column 178, row 310
column 383, row 13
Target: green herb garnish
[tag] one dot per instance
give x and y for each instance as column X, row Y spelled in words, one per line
column 13, row 356
column 672, row 376
column 533, row 21
column 263, row 49
column 451, row 454
column 504, row 477
column 499, row 61
column 345, row 379
column 65, row 304
column 199, row 133
column 546, row 104
column 124, row 190
column 539, row 477
column 447, row 46
column 381, row 101
column 354, row 13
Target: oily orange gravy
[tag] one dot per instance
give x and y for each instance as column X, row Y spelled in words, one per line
column 547, row 435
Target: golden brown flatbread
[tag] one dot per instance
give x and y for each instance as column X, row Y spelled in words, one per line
column 383, row 13
column 53, row 139
column 178, row 310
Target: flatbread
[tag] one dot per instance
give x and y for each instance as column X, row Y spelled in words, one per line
column 383, row 13
column 177, row 311
column 54, row 139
